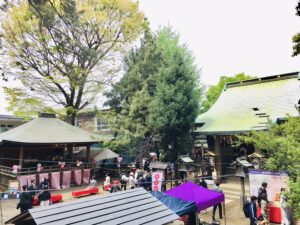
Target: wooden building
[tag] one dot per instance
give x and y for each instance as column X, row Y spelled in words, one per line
column 44, row 140
column 246, row 106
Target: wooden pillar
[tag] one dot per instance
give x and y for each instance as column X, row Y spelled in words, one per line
column 218, row 157
column 21, row 156
column 88, row 150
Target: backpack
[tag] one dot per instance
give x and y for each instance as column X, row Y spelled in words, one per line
column 246, row 209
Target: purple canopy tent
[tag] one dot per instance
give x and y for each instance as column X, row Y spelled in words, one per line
column 204, row 198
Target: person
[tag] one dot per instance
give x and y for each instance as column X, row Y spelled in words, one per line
column 146, row 165
column 141, row 180
column 264, row 209
column 31, row 189
column 253, row 210
column 124, row 180
column 284, row 207
column 131, row 181
column 115, row 187
column 93, row 182
column 107, row 183
column 217, row 189
column 25, row 200
column 203, row 183
column 148, row 181
column 44, row 197
column 262, row 190
column 44, row 184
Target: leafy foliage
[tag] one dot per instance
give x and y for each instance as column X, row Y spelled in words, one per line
column 65, row 51
column 159, row 94
column 214, row 91
column 281, row 144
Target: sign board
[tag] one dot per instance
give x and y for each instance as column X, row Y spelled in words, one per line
column 157, row 181
column 275, row 180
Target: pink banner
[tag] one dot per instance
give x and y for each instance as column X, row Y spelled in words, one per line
column 78, row 177
column 55, row 180
column 66, row 179
column 42, row 176
column 30, row 178
column 86, row 176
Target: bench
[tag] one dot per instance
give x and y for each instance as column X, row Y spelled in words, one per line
column 55, row 198
column 84, row 192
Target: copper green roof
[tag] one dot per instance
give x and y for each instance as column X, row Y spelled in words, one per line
column 250, row 105
column 47, row 131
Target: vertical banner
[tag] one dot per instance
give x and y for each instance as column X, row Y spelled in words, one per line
column 157, row 181
column 275, row 180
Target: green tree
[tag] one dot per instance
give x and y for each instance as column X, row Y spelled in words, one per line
column 65, row 51
column 130, row 97
column 159, row 93
column 176, row 102
column 281, row 144
column 214, row 91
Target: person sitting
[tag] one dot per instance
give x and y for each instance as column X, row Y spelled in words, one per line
column 44, row 197
column 25, row 200
column 93, row 183
column 107, row 183
column 115, row 187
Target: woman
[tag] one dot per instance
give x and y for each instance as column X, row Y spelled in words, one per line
column 264, row 209
column 283, row 207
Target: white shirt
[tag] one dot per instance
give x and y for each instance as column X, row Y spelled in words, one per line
column 131, row 181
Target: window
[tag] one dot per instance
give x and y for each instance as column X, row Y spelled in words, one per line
column 102, row 124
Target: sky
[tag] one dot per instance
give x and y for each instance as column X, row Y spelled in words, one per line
column 228, row 37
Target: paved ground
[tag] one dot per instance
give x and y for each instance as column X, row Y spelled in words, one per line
column 234, row 213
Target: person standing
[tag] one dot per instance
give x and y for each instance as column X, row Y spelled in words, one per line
column 124, row 180
column 262, row 190
column 253, row 211
column 148, row 181
column 217, row 189
column 203, row 183
column 31, row 190
column 44, row 197
column 131, row 181
column 264, row 209
column 284, row 207
column 25, row 200
column 146, row 165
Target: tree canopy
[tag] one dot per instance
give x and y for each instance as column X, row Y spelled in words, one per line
column 64, row 51
column 159, row 93
column 214, row 91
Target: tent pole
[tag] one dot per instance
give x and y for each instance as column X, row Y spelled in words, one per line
column 224, row 212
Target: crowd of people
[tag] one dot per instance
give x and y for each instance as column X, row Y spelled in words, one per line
column 261, row 202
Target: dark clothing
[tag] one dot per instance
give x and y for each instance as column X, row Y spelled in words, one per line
column 253, row 213
column 203, row 184
column 141, row 182
column 148, row 183
column 44, row 196
column 220, row 211
column 146, row 166
column 25, row 202
column 261, row 190
column 43, row 185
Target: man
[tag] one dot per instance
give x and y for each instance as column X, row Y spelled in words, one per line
column 31, row 189
column 25, row 200
column 262, row 190
column 252, row 211
column 217, row 189
column 124, row 180
column 44, row 197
